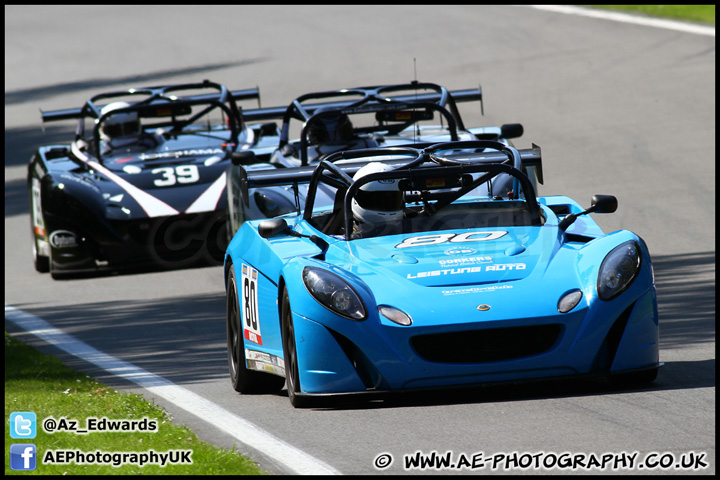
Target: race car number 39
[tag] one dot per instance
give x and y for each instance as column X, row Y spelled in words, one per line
column 251, row 326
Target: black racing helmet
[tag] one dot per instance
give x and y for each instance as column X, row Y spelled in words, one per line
column 331, row 129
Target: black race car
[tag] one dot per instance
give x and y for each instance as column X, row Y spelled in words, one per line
column 143, row 182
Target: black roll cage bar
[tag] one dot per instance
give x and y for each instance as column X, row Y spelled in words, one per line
column 422, row 156
column 158, row 98
column 374, row 99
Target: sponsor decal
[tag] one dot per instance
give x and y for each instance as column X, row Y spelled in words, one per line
column 182, row 153
column 465, row 261
column 63, row 239
column 464, row 291
column 265, row 362
column 460, row 251
column 463, row 270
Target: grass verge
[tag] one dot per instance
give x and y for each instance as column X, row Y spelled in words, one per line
column 41, row 384
column 693, row 13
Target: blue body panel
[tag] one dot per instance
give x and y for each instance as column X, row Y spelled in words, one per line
column 440, row 279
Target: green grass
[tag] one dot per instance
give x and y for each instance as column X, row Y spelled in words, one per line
column 42, row 384
column 693, row 13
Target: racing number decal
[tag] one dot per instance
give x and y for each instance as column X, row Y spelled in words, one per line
column 251, row 326
column 180, row 174
column 425, row 240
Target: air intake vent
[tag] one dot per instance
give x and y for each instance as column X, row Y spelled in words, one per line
column 489, row 345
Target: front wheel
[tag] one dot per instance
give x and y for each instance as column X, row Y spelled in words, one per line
column 292, row 376
column 243, row 380
column 41, row 262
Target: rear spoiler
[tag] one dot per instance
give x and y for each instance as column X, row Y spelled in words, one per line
column 84, row 112
column 274, row 113
column 530, row 157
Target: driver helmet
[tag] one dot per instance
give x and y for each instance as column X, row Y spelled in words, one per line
column 119, row 129
column 332, row 129
column 380, row 202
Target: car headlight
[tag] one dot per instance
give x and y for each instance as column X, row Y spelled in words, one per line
column 334, row 293
column 618, row 270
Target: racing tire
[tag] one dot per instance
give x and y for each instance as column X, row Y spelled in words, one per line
column 292, row 376
column 243, row 380
column 42, row 263
column 633, row 379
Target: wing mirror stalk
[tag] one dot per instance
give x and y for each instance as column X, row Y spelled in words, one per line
column 275, row 226
column 599, row 204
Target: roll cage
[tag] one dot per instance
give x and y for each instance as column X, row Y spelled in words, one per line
column 445, row 168
column 160, row 103
column 393, row 113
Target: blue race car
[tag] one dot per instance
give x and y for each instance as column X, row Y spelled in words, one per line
column 422, row 276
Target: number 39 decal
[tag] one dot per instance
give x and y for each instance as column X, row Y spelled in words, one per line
column 179, row 174
column 426, row 240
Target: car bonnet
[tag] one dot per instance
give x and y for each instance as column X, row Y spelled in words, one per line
column 190, row 184
column 454, row 258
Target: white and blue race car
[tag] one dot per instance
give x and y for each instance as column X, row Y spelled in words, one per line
column 317, row 124
column 422, row 276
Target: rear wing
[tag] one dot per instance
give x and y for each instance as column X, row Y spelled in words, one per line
column 87, row 111
column 530, row 157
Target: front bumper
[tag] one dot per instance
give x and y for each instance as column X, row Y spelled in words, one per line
column 164, row 243
column 373, row 356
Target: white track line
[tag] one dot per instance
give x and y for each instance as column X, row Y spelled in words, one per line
column 628, row 18
column 294, row 460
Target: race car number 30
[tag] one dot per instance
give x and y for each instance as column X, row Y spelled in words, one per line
column 249, row 295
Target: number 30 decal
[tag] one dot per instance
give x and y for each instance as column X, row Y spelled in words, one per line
column 426, row 240
column 249, row 306
column 180, row 174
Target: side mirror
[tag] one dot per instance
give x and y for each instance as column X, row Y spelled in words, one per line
column 270, row 228
column 512, row 130
column 603, row 204
column 599, row 204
